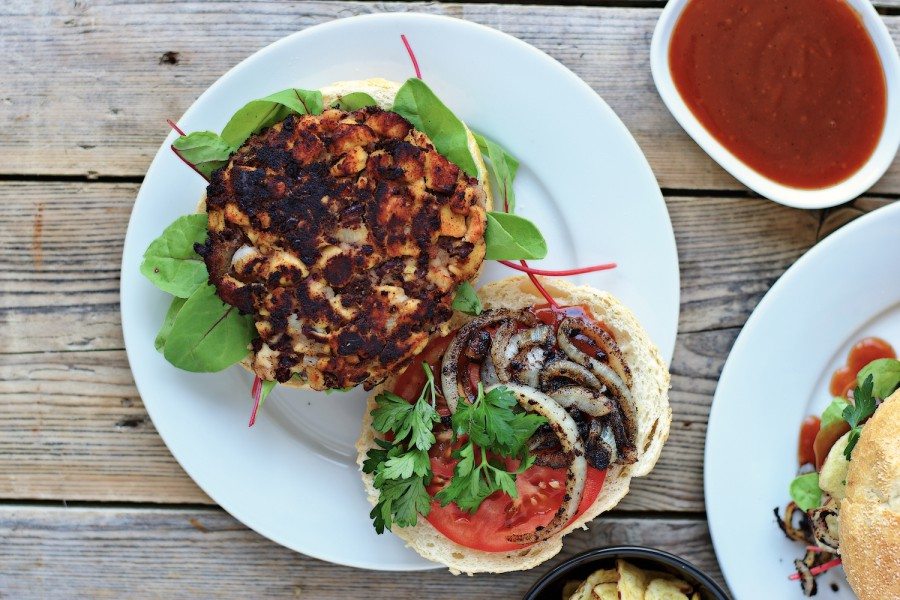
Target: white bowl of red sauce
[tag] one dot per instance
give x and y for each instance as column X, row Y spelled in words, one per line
column 797, row 99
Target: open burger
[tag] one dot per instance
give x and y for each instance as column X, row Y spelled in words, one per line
column 846, row 508
column 524, row 423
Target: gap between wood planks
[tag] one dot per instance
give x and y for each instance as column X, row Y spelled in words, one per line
column 25, row 503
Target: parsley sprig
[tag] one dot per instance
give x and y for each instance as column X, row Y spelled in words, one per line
column 401, row 468
column 492, row 427
column 855, row 414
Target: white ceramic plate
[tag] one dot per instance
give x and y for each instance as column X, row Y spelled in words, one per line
column 844, row 289
column 292, row 477
column 799, row 198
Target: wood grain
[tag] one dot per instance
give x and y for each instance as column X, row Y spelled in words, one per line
column 70, row 63
column 111, row 553
column 60, row 260
column 72, row 425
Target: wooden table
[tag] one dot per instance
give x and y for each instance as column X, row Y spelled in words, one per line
column 91, row 502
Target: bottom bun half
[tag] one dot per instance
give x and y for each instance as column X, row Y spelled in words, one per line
column 650, row 391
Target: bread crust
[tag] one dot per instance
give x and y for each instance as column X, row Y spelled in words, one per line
column 870, row 513
column 651, row 386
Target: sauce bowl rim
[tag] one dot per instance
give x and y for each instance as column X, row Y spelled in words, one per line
column 863, row 179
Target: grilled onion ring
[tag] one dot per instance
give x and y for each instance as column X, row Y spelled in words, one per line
column 604, row 341
column 450, row 364
column 606, row 374
column 526, row 347
column 567, row 431
column 588, row 401
column 567, row 369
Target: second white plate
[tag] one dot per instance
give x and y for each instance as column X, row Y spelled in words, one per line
column 844, row 289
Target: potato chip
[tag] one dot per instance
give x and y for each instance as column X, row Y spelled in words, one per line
column 632, row 581
column 596, row 578
column 605, row 591
column 683, row 586
column 663, row 589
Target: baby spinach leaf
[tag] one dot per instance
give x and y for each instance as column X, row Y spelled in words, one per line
column 208, row 335
column 416, row 103
column 885, row 374
column 166, row 328
column 510, row 237
column 503, row 168
column 170, row 262
column 205, row 150
column 259, row 114
column 355, row 101
column 466, row 300
column 805, row 491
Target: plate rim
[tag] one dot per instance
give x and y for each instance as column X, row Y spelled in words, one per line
column 412, row 17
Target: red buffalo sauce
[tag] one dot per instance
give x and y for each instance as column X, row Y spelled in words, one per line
column 793, row 88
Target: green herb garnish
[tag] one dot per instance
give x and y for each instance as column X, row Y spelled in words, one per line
column 205, row 150
column 855, row 414
column 402, row 468
column 492, row 427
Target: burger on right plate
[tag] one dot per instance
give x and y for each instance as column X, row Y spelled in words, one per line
column 802, row 465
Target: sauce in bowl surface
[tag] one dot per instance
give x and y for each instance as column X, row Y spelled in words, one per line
column 793, row 88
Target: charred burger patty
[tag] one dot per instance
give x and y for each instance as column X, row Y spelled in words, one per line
column 346, row 234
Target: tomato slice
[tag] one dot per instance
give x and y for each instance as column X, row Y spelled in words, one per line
column 806, row 447
column 410, row 383
column 541, row 491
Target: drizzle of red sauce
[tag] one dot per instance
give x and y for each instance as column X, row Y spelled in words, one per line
column 794, row 88
column 863, row 352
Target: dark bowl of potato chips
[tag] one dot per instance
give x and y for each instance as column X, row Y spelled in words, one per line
column 626, row 573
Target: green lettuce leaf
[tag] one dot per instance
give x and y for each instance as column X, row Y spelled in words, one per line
column 510, row 237
column 420, row 106
column 170, row 262
column 207, row 334
column 205, row 150
column 259, row 114
column 805, row 491
column 885, row 374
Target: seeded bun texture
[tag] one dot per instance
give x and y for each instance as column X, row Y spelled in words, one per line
column 870, row 513
column 650, row 391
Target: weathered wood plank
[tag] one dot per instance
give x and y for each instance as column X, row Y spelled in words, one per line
column 108, row 553
column 69, row 401
column 72, row 427
column 61, row 256
column 69, row 64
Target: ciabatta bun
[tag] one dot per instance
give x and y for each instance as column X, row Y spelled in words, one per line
column 870, row 513
column 650, row 390
column 383, row 92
